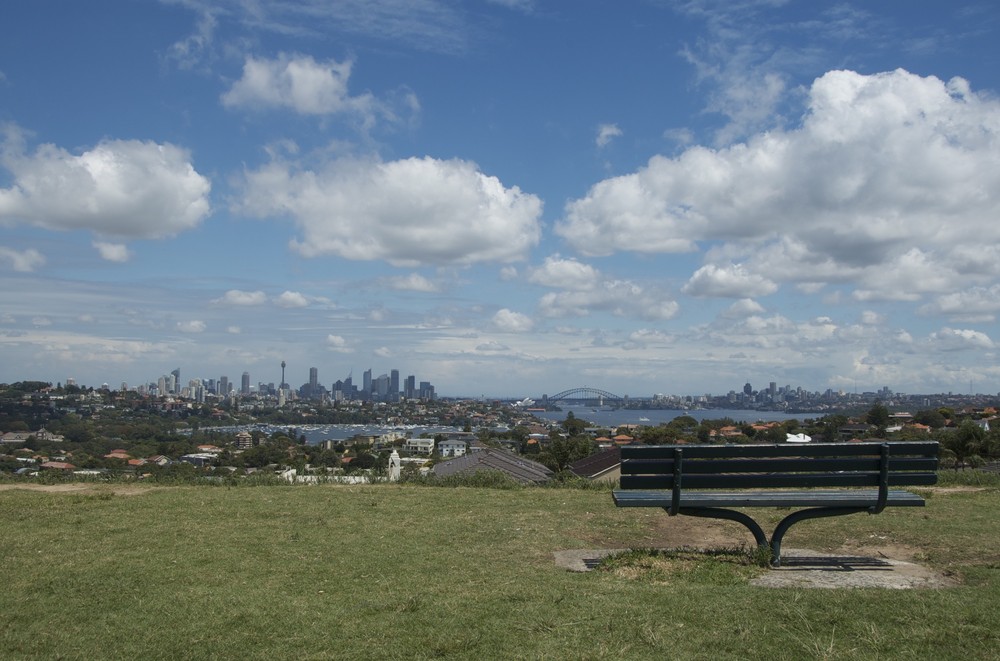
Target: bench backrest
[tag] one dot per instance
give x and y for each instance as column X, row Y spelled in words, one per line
column 784, row 465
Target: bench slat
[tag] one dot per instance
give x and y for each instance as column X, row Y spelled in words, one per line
column 841, row 498
column 776, row 480
column 919, row 448
column 783, row 465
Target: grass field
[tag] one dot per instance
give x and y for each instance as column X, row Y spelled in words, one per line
column 397, row 572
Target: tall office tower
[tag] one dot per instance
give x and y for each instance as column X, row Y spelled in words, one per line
column 245, row 384
column 410, row 389
column 366, row 383
column 394, row 383
column 773, row 387
column 177, row 379
column 381, row 387
column 313, row 382
column 223, row 385
column 747, row 389
column 161, row 386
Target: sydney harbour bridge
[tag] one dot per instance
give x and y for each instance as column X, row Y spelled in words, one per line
column 585, row 395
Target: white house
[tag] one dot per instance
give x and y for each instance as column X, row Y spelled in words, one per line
column 419, row 445
column 452, row 447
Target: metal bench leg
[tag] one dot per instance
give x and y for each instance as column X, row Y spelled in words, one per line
column 802, row 515
column 729, row 515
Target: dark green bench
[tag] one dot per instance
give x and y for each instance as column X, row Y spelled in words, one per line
column 827, row 479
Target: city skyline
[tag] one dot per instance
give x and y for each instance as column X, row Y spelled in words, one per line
column 765, row 392
column 512, row 197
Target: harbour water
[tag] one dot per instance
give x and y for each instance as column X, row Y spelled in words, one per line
column 602, row 417
column 599, row 417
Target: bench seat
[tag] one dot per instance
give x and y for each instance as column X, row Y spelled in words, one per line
column 837, row 498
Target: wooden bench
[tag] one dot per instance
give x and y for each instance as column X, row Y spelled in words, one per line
column 828, row 479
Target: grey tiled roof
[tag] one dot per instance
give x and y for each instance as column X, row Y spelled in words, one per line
column 521, row 469
column 596, row 464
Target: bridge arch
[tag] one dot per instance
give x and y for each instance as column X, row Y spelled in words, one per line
column 585, row 393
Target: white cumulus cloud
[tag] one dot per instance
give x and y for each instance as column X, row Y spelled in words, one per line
column 512, row 322
column 337, row 343
column 745, row 307
column 411, row 282
column 120, row 188
column 291, row 299
column 730, row 281
column 622, row 298
column 24, row 262
column 890, row 172
column 410, row 212
column 241, row 298
column 565, row 274
column 113, row 252
column 975, row 303
column 607, row 132
column 954, row 339
column 301, row 84
column 193, row 326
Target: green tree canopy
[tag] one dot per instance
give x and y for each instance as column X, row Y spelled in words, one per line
column 573, row 425
column 878, row 416
column 964, row 442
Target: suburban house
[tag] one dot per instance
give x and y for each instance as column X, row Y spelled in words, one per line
column 15, row 437
column 452, row 447
column 419, row 445
column 854, row 430
column 57, row 465
column 244, row 441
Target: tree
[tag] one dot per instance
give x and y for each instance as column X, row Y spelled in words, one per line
column 931, row 418
column 361, row 461
column 878, row 416
column 704, row 433
column 658, row 435
column 831, row 425
column 573, row 425
column 683, row 423
column 564, row 451
column 964, row 443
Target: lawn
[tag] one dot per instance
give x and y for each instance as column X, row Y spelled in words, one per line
column 395, row 571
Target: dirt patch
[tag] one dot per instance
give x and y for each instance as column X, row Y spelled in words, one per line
column 955, row 489
column 804, row 568
column 860, row 563
column 78, row 488
column 662, row 531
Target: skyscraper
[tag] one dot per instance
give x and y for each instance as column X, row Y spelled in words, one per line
column 245, row 385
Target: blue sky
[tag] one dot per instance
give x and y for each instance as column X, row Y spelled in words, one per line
column 505, row 198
